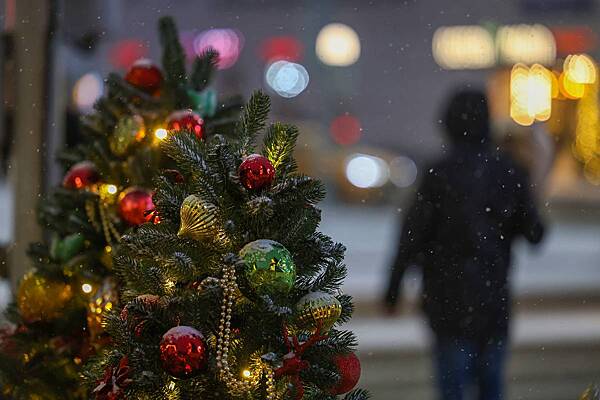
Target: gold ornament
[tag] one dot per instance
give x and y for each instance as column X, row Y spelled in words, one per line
column 42, row 299
column 105, row 298
column 198, row 219
column 318, row 310
column 129, row 130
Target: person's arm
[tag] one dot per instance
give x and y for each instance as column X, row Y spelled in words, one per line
column 416, row 232
column 529, row 223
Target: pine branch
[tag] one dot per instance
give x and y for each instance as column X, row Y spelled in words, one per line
column 279, row 146
column 173, row 57
column 203, row 69
column 253, row 120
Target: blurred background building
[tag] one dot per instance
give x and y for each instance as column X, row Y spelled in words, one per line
column 365, row 82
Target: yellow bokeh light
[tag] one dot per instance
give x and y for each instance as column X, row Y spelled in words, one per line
column 580, row 68
column 463, row 47
column 530, row 94
column 161, row 133
column 111, row 189
column 526, row 44
column 338, row 45
column 571, row 90
column 246, row 373
column 86, row 288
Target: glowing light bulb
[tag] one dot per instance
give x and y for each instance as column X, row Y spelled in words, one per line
column 111, row 189
column 161, row 133
column 86, row 288
column 246, row 373
column 338, row 45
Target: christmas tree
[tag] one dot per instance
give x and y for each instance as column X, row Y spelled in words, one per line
column 235, row 294
column 57, row 316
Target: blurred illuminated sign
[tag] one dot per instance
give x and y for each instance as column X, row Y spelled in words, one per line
column 474, row 47
column 463, row 47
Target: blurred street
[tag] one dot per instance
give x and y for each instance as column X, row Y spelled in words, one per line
column 556, row 329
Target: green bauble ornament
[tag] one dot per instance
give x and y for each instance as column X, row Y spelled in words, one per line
column 64, row 249
column 129, row 130
column 317, row 310
column 270, row 268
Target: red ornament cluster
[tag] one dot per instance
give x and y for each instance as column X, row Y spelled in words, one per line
column 348, row 367
column 115, row 379
column 137, row 322
column 81, row 175
column 183, row 351
column 134, row 205
column 256, row 172
column 145, row 76
column 186, row 120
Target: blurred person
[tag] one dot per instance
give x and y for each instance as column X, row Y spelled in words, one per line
column 468, row 210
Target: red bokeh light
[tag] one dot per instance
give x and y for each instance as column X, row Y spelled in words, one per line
column 345, row 129
column 281, row 48
column 125, row 52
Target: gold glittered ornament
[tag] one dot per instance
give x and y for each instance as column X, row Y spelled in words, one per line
column 103, row 300
column 317, row 310
column 198, row 219
column 42, row 299
column 129, row 130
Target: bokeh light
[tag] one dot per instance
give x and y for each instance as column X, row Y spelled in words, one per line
column 227, row 42
column 87, row 90
column 571, row 90
column 125, row 52
column 366, row 171
column 580, row 68
column 286, row 78
column 530, row 94
column 463, row 47
column 277, row 48
column 86, row 288
column 527, row 44
column 345, row 129
column 403, row 171
column 338, row 45
column 161, row 133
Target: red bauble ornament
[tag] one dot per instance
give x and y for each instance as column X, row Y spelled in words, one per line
column 256, row 172
column 81, row 175
column 134, row 203
column 348, row 367
column 188, row 120
column 145, row 76
column 183, row 352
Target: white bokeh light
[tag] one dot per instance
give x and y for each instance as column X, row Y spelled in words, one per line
column 286, row 78
column 338, row 45
column 366, row 171
column 87, row 90
column 403, row 171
